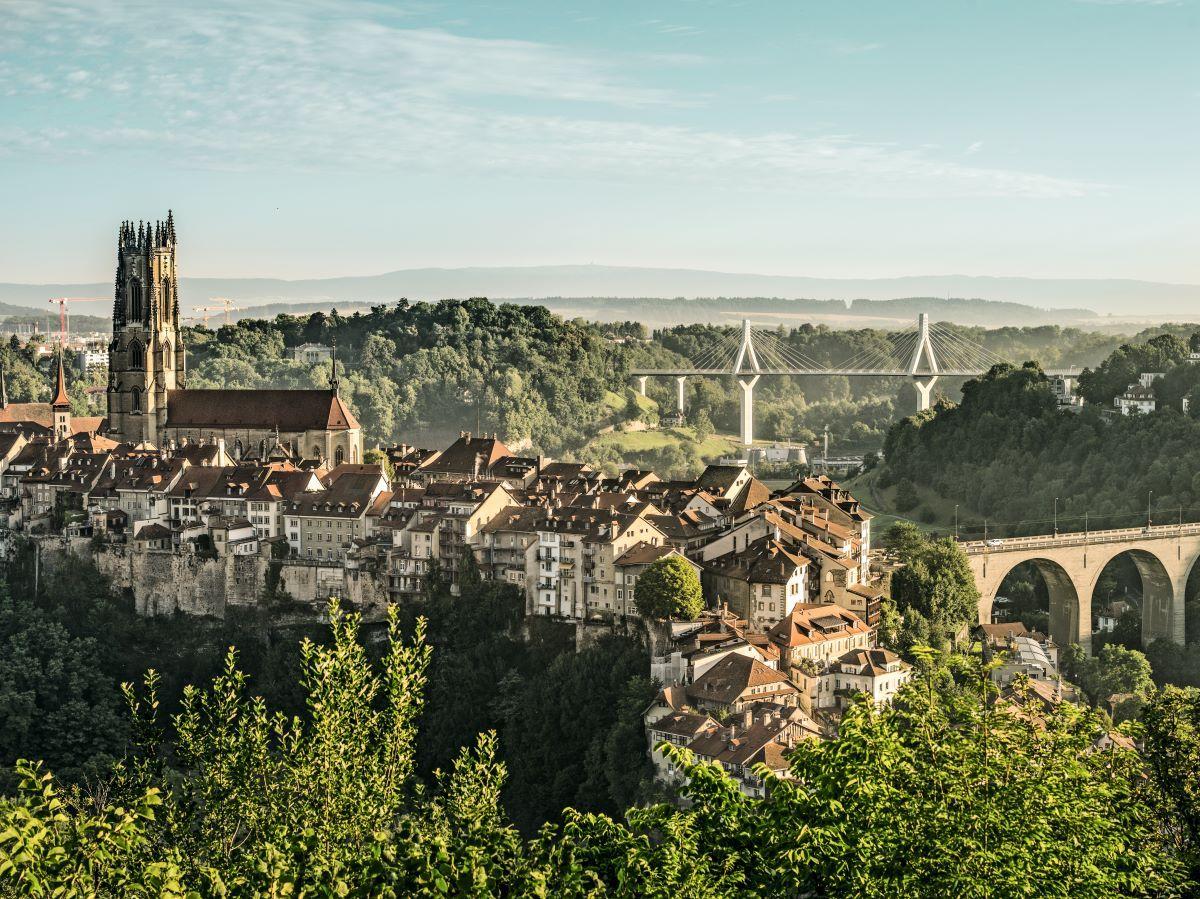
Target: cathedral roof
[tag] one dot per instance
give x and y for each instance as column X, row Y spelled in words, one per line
column 288, row 410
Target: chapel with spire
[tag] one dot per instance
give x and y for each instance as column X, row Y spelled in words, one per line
column 148, row 400
column 52, row 420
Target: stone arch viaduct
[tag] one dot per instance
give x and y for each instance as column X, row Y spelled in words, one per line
column 1071, row 564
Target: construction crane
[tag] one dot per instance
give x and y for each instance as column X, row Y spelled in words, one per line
column 63, row 318
column 227, row 306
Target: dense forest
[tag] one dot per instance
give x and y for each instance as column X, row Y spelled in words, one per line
column 1008, row 431
column 569, row 724
column 945, row 792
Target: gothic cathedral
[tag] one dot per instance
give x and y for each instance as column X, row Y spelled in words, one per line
column 146, row 358
column 147, row 364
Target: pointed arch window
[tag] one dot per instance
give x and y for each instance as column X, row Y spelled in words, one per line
column 339, row 456
column 137, row 359
column 135, row 400
column 135, row 299
column 166, row 356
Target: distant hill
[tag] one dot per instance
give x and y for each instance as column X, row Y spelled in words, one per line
column 599, row 288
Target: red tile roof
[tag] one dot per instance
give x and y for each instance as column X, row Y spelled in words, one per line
column 726, row 681
column 289, row 410
column 811, row 623
column 462, row 455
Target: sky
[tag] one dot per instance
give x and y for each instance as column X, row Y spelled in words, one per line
column 845, row 138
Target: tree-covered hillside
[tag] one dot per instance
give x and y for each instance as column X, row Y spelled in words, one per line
column 422, row 372
column 1007, row 451
column 430, row 370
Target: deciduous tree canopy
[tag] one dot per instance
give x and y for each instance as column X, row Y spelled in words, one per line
column 669, row 588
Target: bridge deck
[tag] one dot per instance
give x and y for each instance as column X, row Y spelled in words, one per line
column 1080, row 538
column 822, row 372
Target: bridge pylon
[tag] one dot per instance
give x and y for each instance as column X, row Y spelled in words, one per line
column 747, row 385
column 923, row 366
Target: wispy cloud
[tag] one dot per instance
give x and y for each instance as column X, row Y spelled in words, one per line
column 354, row 84
column 850, row 48
column 973, row 148
column 673, row 28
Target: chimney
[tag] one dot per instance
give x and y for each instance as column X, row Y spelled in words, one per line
column 747, row 717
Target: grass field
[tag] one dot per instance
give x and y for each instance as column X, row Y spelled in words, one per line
column 614, row 402
column 880, row 502
column 626, row 442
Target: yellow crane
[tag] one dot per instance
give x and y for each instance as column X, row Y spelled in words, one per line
column 227, row 306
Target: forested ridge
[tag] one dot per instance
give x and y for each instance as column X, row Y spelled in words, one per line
column 1006, row 451
column 422, row 372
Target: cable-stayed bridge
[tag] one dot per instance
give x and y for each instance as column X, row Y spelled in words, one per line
column 923, row 354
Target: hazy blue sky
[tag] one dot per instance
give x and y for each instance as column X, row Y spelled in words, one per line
column 847, row 138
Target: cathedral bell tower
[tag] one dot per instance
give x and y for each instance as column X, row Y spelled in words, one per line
column 145, row 357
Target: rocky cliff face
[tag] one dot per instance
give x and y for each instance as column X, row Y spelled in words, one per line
column 163, row 583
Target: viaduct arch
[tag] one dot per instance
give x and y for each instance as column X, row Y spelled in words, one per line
column 1071, row 565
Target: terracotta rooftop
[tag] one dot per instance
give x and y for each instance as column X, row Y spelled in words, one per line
column 811, row 623
column 729, row 678
column 643, row 553
column 289, row 410
column 469, row 455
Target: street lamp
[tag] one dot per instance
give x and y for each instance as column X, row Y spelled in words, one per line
column 1056, row 516
column 1149, row 497
column 956, row 522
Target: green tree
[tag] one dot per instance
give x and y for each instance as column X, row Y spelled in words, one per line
column 1171, row 723
column 376, row 456
column 903, row 540
column 669, row 588
column 936, row 580
column 959, row 797
column 703, row 426
column 56, row 701
column 469, row 575
column 633, row 408
column 1115, row 669
column 906, row 497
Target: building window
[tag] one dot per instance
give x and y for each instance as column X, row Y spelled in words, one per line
column 339, row 456
column 136, row 359
column 135, row 299
column 166, row 355
column 135, row 400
